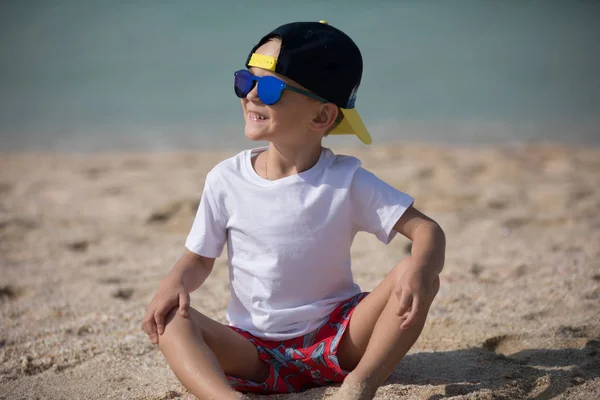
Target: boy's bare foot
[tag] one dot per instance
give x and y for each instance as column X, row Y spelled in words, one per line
column 354, row 391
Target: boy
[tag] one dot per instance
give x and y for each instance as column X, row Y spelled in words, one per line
column 289, row 213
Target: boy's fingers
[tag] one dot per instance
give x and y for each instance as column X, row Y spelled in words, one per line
column 159, row 317
column 405, row 303
column 150, row 327
column 416, row 307
column 161, row 313
column 184, row 303
column 148, row 321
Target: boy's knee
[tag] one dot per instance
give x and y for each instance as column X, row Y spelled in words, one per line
column 172, row 325
column 174, row 322
column 402, row 265
column 397, row 271
column 175, row 326
column 171, row 315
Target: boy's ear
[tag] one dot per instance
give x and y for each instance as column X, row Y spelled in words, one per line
column 325, row 117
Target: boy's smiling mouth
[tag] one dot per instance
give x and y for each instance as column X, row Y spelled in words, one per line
column 254, row 116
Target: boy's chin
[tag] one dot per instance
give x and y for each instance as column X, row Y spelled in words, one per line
column 256, row 135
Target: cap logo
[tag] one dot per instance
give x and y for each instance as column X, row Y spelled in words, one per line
column 262, row 61
column 352, row 98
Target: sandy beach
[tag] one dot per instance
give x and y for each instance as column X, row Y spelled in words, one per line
column 85, row 240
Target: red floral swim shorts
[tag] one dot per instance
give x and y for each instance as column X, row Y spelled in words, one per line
column 301, row 363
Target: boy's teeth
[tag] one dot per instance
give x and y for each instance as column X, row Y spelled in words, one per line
column 256, row 116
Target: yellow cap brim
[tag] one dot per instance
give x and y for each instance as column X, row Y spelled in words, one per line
column 352, row 124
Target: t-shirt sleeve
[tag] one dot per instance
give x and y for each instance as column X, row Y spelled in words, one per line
column 376, row 206
column 209, row 230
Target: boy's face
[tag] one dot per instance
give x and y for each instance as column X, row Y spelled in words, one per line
column 288, row 120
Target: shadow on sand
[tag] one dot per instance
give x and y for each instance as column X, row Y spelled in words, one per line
column 528, row 373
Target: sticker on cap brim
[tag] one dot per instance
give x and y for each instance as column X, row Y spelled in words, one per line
column 262, row 61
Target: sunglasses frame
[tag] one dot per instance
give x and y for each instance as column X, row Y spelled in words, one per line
column 281, row 87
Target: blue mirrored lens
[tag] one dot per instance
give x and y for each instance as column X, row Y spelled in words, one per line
column 243, row 83
column 269, row 89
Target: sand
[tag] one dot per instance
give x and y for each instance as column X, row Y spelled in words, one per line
column 85, row 239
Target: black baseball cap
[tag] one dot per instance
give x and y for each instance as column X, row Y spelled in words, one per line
column 324, row 60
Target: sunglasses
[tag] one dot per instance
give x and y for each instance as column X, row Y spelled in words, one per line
column 269, row 87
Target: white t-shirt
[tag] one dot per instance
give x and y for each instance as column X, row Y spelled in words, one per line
column 288, row 240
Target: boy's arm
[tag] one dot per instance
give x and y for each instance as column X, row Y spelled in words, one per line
column 419, row 281
column 429, row 242
column 192, row 270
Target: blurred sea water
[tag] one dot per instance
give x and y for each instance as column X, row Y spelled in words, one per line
column 148, row 75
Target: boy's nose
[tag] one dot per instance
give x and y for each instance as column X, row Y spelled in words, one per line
column 253, row 94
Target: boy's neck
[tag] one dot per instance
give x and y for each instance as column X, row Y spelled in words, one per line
column 281, row 161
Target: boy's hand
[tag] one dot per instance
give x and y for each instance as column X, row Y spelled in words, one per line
column 171, row 293
column 416, row 288
column 419, row 280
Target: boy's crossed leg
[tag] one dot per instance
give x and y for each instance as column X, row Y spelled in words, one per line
column 201, row 351
column 374, row 342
